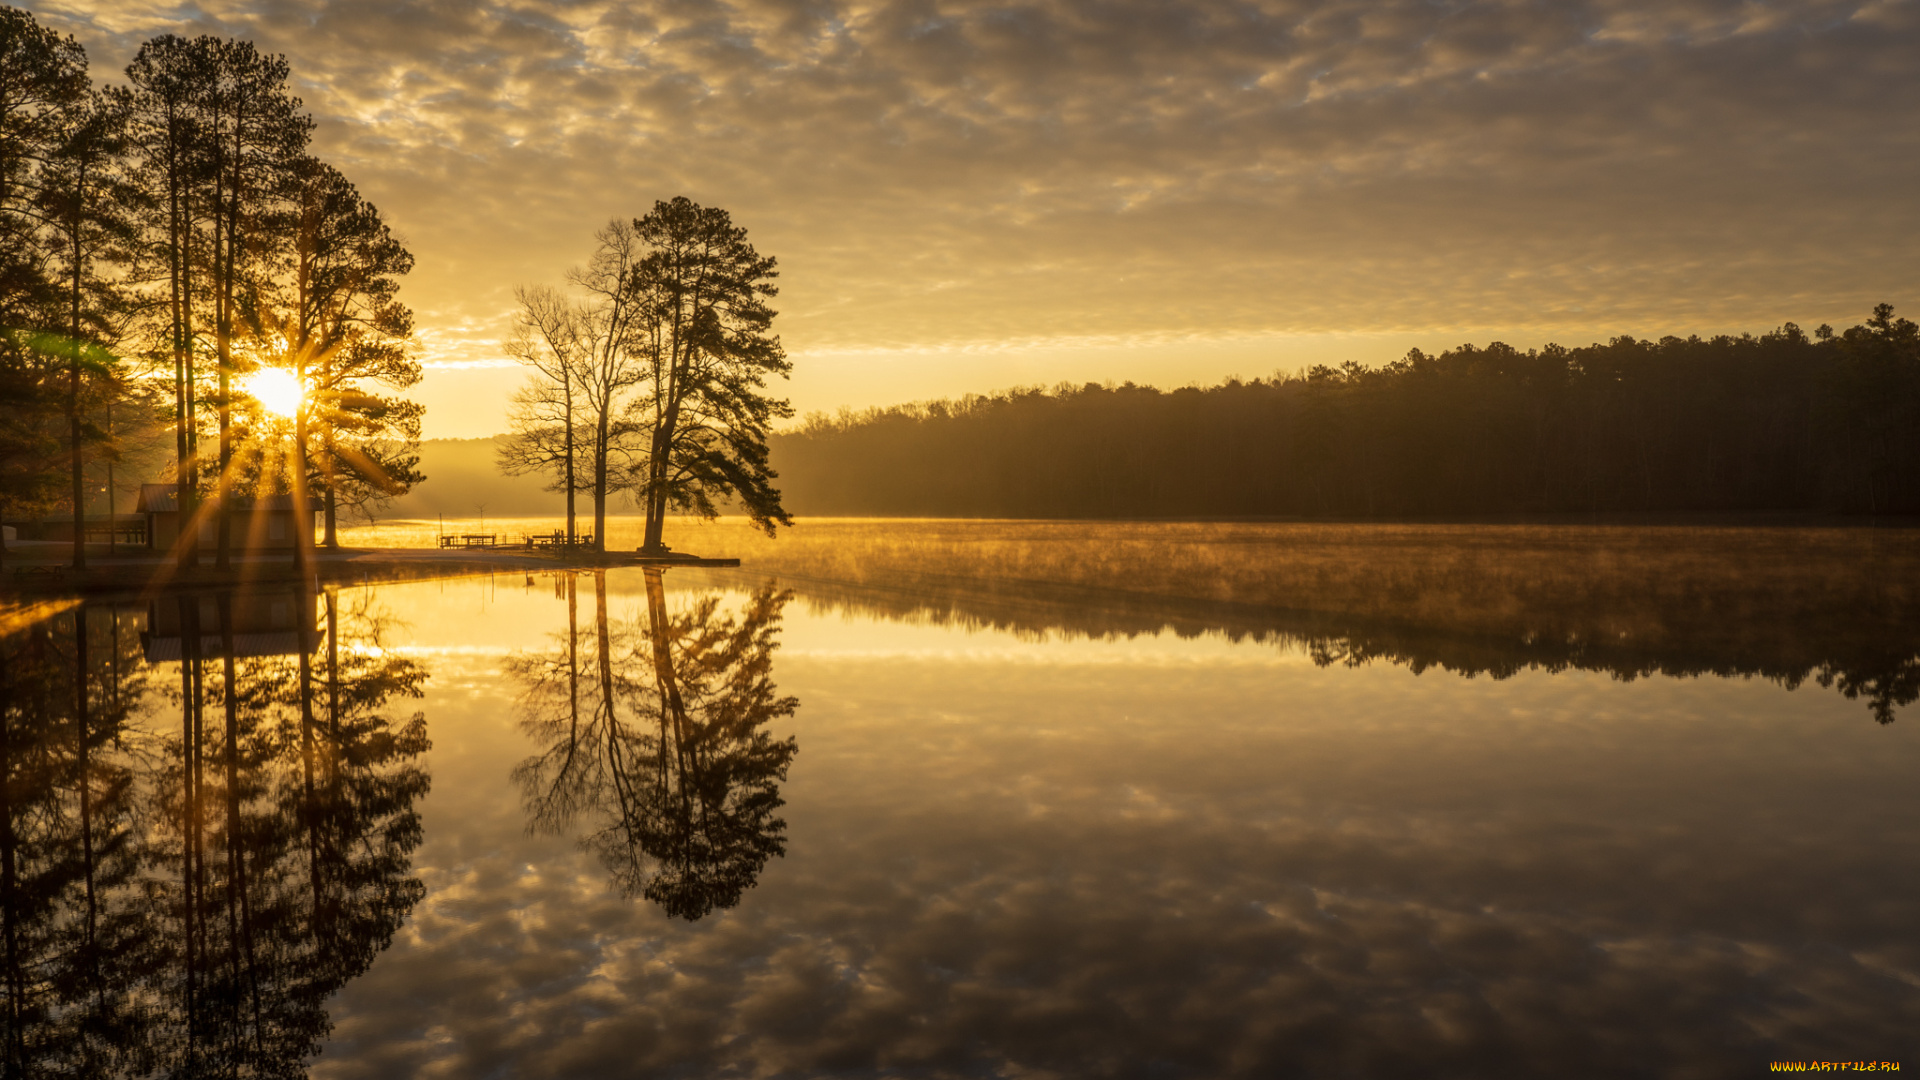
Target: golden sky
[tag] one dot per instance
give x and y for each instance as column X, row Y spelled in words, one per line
column 972, row 195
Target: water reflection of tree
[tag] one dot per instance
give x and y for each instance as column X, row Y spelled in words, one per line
column 1789, row 635
column 654, row 731
column 185, row 903
column 70, row 923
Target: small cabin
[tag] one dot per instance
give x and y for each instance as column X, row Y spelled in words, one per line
column 269, row 523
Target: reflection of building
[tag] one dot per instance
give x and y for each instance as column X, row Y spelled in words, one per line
column 269, row 523
column 267, row 621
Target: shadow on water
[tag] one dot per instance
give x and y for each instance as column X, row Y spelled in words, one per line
column 652, row 743
column 208, row 827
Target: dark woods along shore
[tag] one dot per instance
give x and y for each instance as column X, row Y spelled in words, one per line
column 1780, row 422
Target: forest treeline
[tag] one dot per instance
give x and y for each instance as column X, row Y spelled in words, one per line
column 1780, row 422
column 181, row 278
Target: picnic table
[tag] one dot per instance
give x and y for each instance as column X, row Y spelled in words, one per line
column 558, row 539
column 469, row 540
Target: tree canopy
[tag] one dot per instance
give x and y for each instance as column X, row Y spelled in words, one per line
column 710, row 349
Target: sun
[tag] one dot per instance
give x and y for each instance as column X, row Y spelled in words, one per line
column 276, row 390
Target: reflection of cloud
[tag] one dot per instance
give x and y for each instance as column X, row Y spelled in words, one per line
column 1061, row 871
column 978, row 958
column 948, row 171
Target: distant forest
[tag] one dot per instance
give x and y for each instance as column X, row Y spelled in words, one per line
column 1781, row 422
column 464, row 481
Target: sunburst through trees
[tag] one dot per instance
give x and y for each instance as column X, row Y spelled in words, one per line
column 174, row 239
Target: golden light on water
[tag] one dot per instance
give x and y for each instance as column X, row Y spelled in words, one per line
column 275, row 389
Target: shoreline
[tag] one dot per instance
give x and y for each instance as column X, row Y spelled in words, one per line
column 1745, row 519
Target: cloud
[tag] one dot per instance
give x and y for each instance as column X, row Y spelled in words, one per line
column 942, row 173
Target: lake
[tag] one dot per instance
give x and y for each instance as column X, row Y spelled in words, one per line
column 985, row 799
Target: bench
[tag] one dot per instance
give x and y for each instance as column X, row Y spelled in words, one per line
column 127, row 532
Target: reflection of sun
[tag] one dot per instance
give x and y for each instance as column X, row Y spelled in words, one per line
column 276, row 390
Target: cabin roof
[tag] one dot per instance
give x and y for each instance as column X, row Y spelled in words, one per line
column 158, row 498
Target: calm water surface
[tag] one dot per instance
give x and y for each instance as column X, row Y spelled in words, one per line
column 712, row 824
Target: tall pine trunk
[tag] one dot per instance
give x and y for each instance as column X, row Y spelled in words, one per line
column 180, row 298
column 327, row 479
column 660, row 450
column 302, row 509
column 226, row 205
column 78, row 456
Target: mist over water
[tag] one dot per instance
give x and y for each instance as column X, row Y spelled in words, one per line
column 965, row 799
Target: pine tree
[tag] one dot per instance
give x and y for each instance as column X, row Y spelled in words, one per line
column 86, row 196
column 707, row 344
column 43, row 87
column 347, row 333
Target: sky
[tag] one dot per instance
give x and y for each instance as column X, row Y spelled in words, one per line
column 969, row 195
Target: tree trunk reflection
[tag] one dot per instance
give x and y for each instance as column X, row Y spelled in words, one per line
column 184, row 904
column 666, row 767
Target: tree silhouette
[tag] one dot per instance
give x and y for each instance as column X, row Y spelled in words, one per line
column 544, row 434
column 43, row 92
column 709, row 348
column 1876, row 409
column 86, row 197
column 217, row 141
column 347, row 332
column 45, row 115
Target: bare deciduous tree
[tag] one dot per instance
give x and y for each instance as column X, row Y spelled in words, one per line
column 543, row 422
